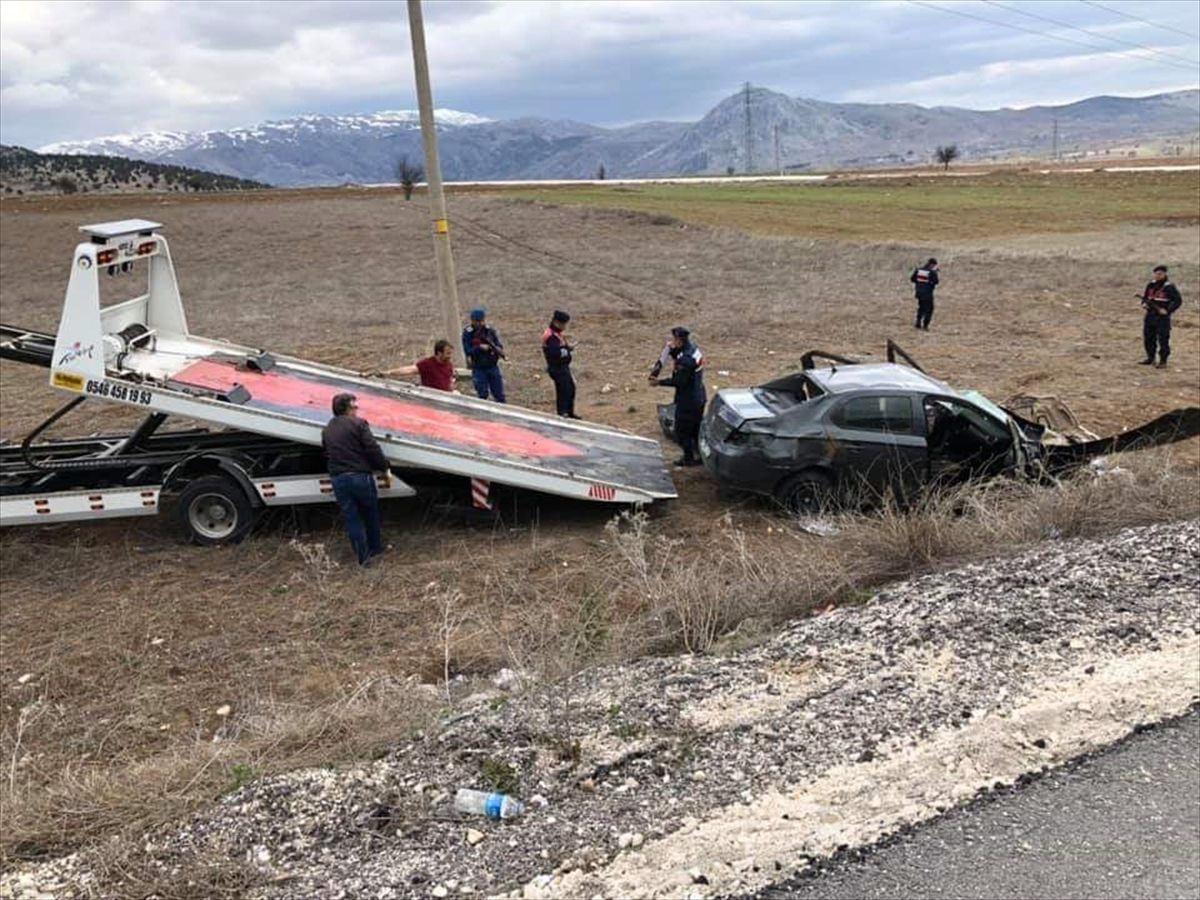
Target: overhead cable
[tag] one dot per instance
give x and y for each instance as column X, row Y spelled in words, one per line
column 1117, row 12
column 1103, row 37
column 1054, row 37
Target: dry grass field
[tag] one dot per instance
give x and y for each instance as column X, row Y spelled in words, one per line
column 120, row 647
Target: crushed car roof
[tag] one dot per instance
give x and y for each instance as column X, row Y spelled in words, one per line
column 867, row 376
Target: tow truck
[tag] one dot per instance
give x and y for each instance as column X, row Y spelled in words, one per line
column 260, row 416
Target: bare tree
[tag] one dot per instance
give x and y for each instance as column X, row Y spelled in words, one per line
column 408, row 174
column 946, row 155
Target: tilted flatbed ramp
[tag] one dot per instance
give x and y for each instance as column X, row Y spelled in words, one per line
column 139, row 352
column 428, row 429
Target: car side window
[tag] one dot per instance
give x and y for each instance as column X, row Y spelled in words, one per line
column 942, row 414
column 890, row 413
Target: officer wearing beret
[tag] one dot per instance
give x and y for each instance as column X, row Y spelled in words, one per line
column 559, row 352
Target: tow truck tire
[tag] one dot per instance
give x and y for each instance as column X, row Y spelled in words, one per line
column 805, row 494
column 215, row 510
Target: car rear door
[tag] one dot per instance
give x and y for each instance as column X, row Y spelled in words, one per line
column 879, row 444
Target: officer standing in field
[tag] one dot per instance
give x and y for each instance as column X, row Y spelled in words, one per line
column 1160, row 299
column 559, row 352
column 687, row 377
column 354, row 456
column 483, row 349
column 926, row 279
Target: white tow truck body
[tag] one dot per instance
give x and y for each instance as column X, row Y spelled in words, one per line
column 139, row 353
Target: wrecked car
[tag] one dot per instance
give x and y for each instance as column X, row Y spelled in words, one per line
column 850, row 432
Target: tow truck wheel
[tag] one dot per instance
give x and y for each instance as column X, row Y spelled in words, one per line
column 215, row 510
column 805, row 494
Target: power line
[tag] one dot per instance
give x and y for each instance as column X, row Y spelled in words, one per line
column 1103, row 37
column 1117, row 12
column 1053, row 37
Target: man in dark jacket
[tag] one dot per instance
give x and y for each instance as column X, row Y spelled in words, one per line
column 354, row 456
column 483, row 349
column 687, row 377
column 1161, row 299
column 559, row 353
column 926, row 279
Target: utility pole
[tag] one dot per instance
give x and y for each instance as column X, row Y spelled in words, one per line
column 447, row 286
column 749, row 134
column 1054, row 143
column 778, row 164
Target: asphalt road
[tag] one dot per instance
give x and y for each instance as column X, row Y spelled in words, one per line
column 1125, row 823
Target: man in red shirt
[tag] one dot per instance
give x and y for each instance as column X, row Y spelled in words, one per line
column 436, row 371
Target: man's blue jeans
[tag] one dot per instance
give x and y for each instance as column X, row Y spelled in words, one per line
column 487, row 380
column 359, row 499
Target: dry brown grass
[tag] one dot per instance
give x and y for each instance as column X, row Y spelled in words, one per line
column 133, row 642
column 647, row 591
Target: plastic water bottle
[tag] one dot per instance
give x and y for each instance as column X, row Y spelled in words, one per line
column 481, row 803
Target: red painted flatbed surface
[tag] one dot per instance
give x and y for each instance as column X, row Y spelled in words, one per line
column 388, row 414
column 594, row 453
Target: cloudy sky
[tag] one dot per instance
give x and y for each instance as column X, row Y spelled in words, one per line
column 75, row 69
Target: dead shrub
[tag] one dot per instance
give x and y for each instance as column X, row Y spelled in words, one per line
column 125, row 869
column 48, row 813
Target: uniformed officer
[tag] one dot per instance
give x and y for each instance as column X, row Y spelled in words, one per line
column 484, row 350
column 1160, row 299
column 687, row 377
column 559, row 352
column 926, row 279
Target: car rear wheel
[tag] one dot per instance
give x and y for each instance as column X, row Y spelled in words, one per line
column 805, row 494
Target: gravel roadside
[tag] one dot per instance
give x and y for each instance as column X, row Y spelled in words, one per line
column 699, row 776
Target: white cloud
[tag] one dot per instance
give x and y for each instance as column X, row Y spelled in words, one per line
column 74, row 69
column 34, row 96
column 1046, row 80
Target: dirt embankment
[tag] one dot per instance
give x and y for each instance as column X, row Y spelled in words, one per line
column 700, row 776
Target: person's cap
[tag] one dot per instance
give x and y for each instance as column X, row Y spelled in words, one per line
column 560, row 316
column 932, row 262
column 680, row 332
column 478, row 314
column 1160, row 268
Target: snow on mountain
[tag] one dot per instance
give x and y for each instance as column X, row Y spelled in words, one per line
column 154, row 145
column 756, row 130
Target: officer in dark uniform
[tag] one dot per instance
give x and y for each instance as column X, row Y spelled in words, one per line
column 558, row 352
column 484, row 350
column 1161, row 299
column 687, row 377
column 926, row 279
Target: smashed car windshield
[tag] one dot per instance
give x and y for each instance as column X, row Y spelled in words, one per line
column 987, row 405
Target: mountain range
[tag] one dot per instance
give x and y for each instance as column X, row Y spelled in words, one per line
column 755, row 130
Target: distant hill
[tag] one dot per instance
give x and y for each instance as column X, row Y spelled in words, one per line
column 26, row 172
column 309, row 150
